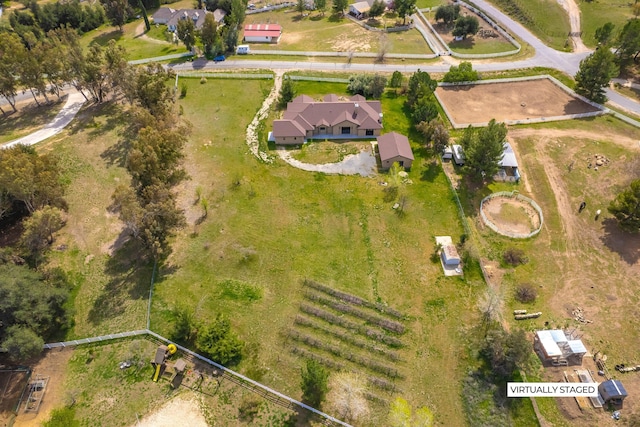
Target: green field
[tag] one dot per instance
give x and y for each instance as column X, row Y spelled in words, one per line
column 594, row 14
column 317, row 33
column 271, row 230
column 545, row 18
column 137, row 47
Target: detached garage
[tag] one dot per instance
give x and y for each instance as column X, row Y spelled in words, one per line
column 394, row 147
column 262, row 33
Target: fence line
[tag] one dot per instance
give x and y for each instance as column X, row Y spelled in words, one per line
column 92, row 340
column 215, row 75
column 229, row 374
column 601, row 109
column 319, row 79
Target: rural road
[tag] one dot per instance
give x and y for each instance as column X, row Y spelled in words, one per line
column 75, row 101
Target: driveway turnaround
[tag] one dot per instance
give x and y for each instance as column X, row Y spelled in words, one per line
column 363, row 164
column 75, row 100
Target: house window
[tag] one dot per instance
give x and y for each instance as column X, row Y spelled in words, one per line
column 346, row 130
column 369, row 132
column 401, row 163
column 323, row 129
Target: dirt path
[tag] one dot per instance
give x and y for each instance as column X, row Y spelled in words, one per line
column 252, row 134
column 626, row 142
column 574, row 18
column 140, row 34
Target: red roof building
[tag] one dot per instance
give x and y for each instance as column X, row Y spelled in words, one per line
column 262, row 33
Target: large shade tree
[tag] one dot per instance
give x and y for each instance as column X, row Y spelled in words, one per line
column 626, row 208
column 594, row 75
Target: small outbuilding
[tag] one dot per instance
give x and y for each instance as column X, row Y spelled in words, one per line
column 612, row 392
column 394, row 147
column 508, row 165
column 360, row 9
column 450, row 255
column 262, row 33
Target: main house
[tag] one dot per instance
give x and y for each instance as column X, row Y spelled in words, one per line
column 331, row 119
column 171, row 17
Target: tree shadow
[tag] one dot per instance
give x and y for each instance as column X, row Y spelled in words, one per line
column 431, row 171
column 336, row 17
column 576, row 106
column 103, row 39
column 625, row 244
column 129, row 277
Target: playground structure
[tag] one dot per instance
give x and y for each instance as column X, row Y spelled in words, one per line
column 160, row 359
column 37, row 388
column 178, row 373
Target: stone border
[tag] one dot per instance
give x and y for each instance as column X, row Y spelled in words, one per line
column 602, row 110
column 513, row 195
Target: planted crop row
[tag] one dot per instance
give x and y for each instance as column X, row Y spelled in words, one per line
column 338, row 352
column 374, row 381
column 352, row 299
column 389, row 325
column 351, row 326
column 347, row 338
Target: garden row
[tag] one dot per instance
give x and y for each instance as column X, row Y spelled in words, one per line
column 342, row 331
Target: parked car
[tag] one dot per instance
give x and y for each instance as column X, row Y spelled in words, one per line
column 219, row 58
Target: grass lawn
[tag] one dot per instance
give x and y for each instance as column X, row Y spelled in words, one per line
column 137, row 47
column 28, row 119
column 477, row 45
column 337, row 230
column 328, row 33
column 120, row 397
column 545, row 18
column 594, row 14
column 318, row 152
column 111, row 290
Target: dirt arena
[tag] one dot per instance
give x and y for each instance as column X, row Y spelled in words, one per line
column 509, row 101
column 521, row 219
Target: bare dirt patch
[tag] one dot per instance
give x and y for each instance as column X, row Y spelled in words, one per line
column 521, row 100
column 181, row 411
column 511, row 216
column 53, row 365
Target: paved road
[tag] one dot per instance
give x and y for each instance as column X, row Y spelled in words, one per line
column 75, row 100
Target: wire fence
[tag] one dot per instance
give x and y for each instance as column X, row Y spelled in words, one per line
column 214, row 75
column 239, row 379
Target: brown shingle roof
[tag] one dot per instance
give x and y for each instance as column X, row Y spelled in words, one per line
column 308, row 114
column 332, row 97
column 394, row 144
column 287, row 128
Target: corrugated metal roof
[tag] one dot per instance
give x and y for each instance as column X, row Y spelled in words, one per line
column 508, row 157
column 549, row 345
column 577, row 347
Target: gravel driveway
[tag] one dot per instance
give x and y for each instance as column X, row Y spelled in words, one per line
column 363, row 164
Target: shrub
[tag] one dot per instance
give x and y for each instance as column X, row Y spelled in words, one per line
column 526, row 293
column 203, row 80
column 514, row 257
column 183, row 90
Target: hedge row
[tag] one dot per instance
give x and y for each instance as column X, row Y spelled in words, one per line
column 389, row 325
column 351, row 326
column 338, row 352
column 352, row 299
column 347, row 338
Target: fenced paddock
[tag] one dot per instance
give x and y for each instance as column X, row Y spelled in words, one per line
column 513, row 101
column 512, row 227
